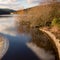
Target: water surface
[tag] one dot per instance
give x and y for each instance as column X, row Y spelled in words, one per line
column 19, row 38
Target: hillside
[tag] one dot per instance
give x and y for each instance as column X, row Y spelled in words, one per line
column 41, row 15
column 6, row 11
column 41, row 9
column 44, row 13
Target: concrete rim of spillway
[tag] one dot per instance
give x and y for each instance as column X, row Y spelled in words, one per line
column 4, row 43
column 54, row 42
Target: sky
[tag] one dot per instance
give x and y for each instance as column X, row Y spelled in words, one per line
column 18, row 4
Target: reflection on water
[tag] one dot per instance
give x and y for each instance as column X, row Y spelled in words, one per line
column 26, row 43
column 18, row 50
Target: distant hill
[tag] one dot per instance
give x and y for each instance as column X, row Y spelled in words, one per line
column 6, row 11
column 40, row 10
column 44, row 13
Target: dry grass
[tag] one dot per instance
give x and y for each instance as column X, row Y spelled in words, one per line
column 55, row 30
column 40, row 14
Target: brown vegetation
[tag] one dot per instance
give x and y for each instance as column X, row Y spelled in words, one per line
column 43, row 14
column 40, row 16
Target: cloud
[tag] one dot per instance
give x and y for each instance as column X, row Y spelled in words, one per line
column 33, row 1
column 3, row 6
column 8, row 1
column 40, row 1
column 12, row 4
column 29, row 1
column 4, row 1
column 16, row 7
column 18, row 4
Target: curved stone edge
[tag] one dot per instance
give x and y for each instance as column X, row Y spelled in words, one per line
column 56, row 41
column 5, row 47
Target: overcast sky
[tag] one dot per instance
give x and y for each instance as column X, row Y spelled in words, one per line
column 20, row 4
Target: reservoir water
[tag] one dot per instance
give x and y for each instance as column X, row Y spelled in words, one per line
column 19, row 38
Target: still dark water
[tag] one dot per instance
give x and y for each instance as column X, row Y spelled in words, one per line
column 19, row 46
